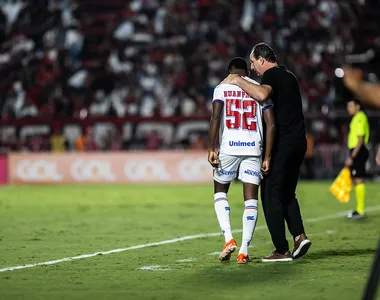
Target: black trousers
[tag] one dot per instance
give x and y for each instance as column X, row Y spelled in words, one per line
column 278, row 194
column 358, row 165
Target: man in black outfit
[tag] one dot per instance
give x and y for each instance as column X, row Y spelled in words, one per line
column 279, row 186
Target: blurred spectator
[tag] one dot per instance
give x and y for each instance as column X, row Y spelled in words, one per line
column 113, row 140
column 101, row 55
column 58, row 141
column 152, row 141
column 86, row 142
column 197, row 142
column 36, row 143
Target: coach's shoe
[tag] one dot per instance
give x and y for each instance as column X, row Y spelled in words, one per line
column 301, row 246
column 355, row 215
column 243, row 259
column 229, row 248
column 275, row 256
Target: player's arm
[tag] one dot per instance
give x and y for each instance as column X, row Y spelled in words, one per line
column 269, row 137
column 260, row 93
column 368, row 93
column 216, row 115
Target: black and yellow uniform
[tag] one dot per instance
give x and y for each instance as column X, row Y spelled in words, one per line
column 359, row 127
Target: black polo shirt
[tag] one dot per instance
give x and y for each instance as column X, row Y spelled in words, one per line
column 286, row 97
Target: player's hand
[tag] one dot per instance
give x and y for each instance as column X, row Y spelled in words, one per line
column 213, row 158
column 231, row 79
column 348, row 162
column 352, row 77
column 265, row 167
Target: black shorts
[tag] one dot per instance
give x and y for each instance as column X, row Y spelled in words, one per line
column 358, row 166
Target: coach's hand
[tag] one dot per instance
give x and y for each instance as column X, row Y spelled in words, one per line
column 265, row 166
column 231, row 79
column 213, row 158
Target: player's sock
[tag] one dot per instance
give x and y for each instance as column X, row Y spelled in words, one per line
column 222, row 210
column 360, row 198
column 249, row 223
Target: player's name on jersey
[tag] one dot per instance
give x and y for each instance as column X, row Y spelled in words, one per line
column 236, row 94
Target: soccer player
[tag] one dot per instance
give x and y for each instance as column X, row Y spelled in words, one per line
column 238, row 118
column 278, row 189
column 357, row 140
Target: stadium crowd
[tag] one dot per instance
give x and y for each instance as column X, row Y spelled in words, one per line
column 83, row 58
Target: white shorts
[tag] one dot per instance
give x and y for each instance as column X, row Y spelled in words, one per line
column 247, row 167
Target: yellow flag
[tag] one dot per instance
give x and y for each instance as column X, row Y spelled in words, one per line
column 342, row 186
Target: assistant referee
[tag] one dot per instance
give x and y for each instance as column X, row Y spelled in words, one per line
column 279, row 185
column 357, row 144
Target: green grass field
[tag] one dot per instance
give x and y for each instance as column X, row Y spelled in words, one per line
column 39, row 224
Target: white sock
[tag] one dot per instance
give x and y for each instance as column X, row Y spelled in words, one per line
column 222, row 210
column 249, row 223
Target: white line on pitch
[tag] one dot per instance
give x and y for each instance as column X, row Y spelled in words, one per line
column 154, row 268
column 214, row 253
column 180, row 239
column 187, row 260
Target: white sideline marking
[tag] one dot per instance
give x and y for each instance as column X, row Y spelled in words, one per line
column 180, row 239
column 187, row 260
column 153, row 268
column 214, row 253
column 329, row 232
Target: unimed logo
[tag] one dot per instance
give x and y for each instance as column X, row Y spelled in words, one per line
column 242, row 144
column 92, row 170
column 38, row 170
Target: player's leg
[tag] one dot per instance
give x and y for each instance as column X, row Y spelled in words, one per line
column 358, row 173
column 292, row 211
column 271, row 196
column 222, row 179
column 250, row 175
column 222, row 208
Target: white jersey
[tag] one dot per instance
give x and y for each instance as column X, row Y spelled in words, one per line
column 241, row 127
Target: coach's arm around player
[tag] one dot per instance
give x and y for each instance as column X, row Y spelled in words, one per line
column 259, row 92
